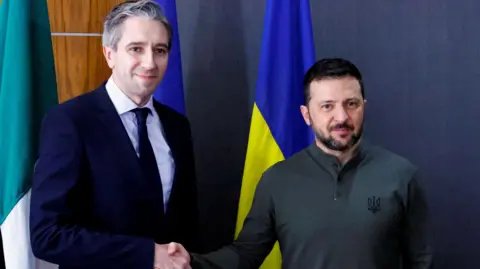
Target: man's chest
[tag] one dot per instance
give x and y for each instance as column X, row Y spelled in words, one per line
column 353, row 206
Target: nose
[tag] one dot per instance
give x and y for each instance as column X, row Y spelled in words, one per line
column 340, row 114
column 148, row 61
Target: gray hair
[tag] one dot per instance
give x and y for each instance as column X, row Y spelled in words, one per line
column 112, row 26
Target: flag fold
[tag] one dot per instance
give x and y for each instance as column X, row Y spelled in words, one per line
column 27, row 89
column 277, row 128
column 170, row 91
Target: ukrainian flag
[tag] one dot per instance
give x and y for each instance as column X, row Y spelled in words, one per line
column 277, row 128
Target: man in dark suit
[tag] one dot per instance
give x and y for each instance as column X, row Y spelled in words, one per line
column 115, row 174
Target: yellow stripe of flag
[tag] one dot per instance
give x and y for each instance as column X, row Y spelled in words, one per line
column 262, row 152
column 277, row 129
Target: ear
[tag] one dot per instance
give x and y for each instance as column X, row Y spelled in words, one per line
column 305, row 114
column 108, row 53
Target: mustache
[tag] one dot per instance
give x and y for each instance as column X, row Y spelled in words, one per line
column 342, row 126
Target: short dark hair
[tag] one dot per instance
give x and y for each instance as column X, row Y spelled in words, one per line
column 330, row 68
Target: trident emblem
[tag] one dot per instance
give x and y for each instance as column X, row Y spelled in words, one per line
column 374, row 204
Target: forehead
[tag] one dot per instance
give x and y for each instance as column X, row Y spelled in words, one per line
column 144, row 30
column 335, row 89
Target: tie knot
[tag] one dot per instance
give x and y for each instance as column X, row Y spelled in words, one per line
column 141, row 113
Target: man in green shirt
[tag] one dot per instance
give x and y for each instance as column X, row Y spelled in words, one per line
column 338, row 204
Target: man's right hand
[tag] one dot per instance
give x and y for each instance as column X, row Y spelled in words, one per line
column 176, row 249
column 171, row 256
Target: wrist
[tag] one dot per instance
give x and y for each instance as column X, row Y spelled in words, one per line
column 155, row 254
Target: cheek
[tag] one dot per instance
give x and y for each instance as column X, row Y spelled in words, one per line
column 133, row 68
column 162, row 63
column 357, row 119
column 321, row 121
column 130, row 62
column 134, row 63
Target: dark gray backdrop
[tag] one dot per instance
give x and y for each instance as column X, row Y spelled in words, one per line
column 419, row 59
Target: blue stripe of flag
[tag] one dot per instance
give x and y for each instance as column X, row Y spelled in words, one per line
column 170, row 91
column 287, row 53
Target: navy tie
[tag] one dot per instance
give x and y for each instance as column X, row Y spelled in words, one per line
column 148, row 162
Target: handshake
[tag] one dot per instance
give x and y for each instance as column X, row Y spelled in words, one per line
column 171, row 256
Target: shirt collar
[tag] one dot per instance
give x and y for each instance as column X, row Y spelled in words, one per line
column 120, row 100
column 322, row 157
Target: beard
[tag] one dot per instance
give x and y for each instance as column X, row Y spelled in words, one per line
column 333, row 144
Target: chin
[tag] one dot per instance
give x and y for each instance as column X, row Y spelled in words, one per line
column 343, row 140
column 146, row 83
column 342, row 143
column 146, row 89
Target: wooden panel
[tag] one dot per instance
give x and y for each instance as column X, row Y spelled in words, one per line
column 81, row 16
column 79, row 64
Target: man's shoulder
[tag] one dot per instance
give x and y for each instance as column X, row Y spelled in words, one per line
column 78, row 105
column 388, row 157
column 292, row 165
column 391, row 163
column 167, row 113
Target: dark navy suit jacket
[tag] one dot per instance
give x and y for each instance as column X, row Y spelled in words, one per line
column 90, row 206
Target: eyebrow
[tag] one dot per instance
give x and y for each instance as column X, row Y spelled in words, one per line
column 143, row 43
column 334, row 101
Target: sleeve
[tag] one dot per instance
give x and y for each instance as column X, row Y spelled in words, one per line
column 190, row 234
column 254, row 242
column 417, row 233
column 56, row 235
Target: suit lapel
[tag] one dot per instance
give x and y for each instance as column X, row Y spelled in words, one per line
column 114, row 129
column 168, row 127
column 171, row 136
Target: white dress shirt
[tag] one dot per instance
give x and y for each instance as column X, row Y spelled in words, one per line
column 163, row 154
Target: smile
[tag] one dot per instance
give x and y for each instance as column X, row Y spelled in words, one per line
column 146, row 77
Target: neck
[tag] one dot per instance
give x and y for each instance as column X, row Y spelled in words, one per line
column 342, row 156
column 140, row 101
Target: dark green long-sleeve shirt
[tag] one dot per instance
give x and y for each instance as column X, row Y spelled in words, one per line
column 370, row 213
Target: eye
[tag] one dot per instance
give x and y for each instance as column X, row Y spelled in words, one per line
column 352, row 104
column 326, row 107
column 136, row 49
column 161, row 51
